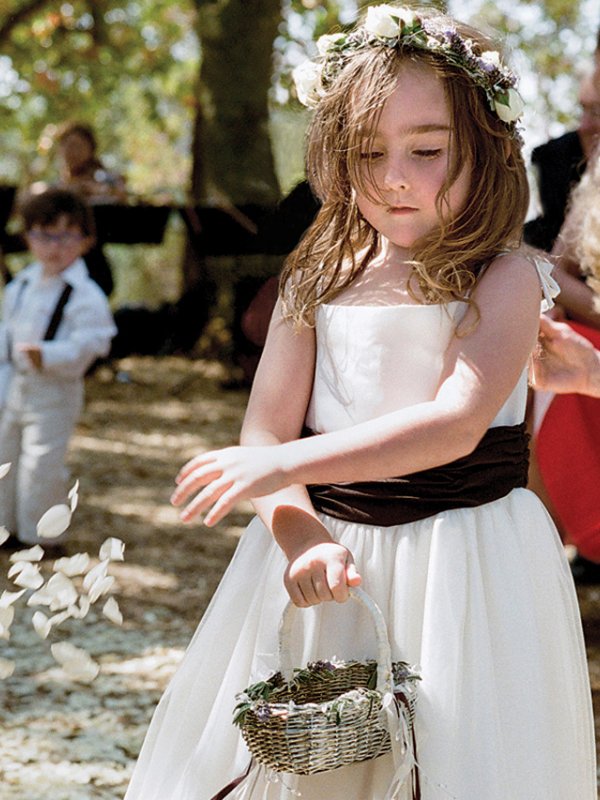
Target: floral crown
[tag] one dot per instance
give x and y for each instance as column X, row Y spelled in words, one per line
column 391, row 26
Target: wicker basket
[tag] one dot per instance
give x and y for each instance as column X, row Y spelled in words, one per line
column 329, row 714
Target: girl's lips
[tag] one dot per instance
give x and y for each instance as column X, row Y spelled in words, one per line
column 401, row 210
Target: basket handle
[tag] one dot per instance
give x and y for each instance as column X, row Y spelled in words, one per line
column 384, row 653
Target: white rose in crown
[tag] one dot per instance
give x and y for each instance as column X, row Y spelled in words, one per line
column 380, row 22
column 385, row 20
column 327, row 42
column 509, row 106
column 307, row 78
column 491, row 57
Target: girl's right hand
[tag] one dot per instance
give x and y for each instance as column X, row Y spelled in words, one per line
column 321, row 573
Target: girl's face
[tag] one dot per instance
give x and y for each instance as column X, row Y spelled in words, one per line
column 409, row 160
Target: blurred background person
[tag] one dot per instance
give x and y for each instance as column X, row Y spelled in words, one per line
column 565, row 362
column 565, row 463
column 80, row 168
column 82, row 171
column 560, row 163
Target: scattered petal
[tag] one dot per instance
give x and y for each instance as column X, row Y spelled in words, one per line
column 100, row 587
column 7, row 668
column 8, row 598
column 62, row 591
column 6, row 618
column 16, row 568
column 40, row 598
column 99, row 571
column 112, row 611
column 75, row 565
column 4, row 534
column 35, row 553
column 112, row 549
column 84, row 606
column 4, row 469
column 29, row 575
column 77, row 663
column 41, row 624
column 74, row 496
column 57, row 619
column 54, row 522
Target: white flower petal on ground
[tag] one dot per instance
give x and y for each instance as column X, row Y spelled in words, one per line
column 7, row 667
column 62, row 590
column 99, row 571
column 112, row 549
column 8, row 598
column 54, row 522
column 75, row 565
column 100, row 587
column 41, row 624
column 57, row 619
column 40, row 598
column 35, row 553
column 84, row 606
column 112, row 611
column 77, row 663
column 28, row 576
column 7, row 616
column 4, row 534
column 74, row 496
column 4, row 469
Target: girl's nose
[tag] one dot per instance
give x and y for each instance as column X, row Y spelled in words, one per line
column 395, row 177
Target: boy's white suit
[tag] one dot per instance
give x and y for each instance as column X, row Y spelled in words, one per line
column 41, row 407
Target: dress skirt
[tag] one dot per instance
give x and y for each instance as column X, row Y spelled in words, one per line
column 481, row 600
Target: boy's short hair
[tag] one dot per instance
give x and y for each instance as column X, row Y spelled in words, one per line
column 47, row 207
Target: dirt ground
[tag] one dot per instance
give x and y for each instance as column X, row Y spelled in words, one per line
column 68, row 741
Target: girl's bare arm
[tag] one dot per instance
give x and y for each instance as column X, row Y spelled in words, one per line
column 481, row 369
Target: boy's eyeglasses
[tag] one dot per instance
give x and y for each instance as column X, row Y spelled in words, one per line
column 60, row 238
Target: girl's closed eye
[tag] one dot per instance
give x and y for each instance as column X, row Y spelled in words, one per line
column 428, row 153
column 371, row 155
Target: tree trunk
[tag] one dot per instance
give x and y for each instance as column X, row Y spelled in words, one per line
column 236, row 37
column 232, row 158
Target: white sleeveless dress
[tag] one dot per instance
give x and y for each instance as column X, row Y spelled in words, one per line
column 481, row 599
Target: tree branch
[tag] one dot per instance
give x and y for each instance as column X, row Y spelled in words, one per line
column 18, row 16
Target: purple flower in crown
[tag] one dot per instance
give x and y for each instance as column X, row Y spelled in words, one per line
column 262, row 711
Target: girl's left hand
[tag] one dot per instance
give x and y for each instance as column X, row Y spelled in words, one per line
column 228, row 476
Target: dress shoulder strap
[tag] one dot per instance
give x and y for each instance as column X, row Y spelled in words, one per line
column 550, row 288
column 543, row 267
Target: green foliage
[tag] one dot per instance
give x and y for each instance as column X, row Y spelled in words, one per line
column 126, row 68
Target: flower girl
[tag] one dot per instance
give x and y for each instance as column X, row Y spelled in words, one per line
column 384, row 446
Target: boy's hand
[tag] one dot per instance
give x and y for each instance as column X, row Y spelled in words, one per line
column 33, row 353
column 321, row 573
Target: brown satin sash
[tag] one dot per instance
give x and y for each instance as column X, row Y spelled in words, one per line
column 498, row 464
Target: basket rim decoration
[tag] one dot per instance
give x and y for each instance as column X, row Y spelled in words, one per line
column 330, row 713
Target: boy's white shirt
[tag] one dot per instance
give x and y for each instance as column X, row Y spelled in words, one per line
column 85, row 332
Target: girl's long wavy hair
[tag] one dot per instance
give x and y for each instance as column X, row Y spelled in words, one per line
column 340, row 243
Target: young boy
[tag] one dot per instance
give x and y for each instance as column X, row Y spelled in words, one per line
column 55, row 322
